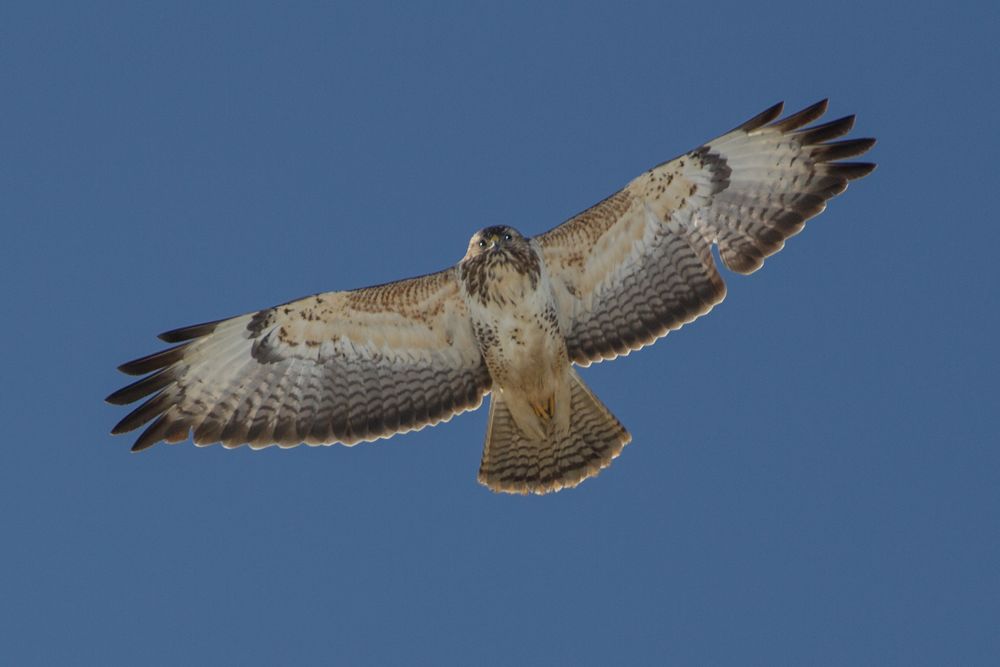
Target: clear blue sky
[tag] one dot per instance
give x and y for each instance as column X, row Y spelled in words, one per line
column 815, row 469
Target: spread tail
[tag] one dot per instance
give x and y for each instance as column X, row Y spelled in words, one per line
column 515, row 463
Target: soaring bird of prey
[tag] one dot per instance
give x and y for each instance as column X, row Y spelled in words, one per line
column 511, row 319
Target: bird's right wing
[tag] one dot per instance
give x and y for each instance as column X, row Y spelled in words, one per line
column 336, row 367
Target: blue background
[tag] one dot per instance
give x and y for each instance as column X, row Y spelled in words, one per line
column 814, row 472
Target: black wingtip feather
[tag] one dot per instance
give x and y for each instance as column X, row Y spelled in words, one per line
column 164, row 428
column 763, row 118
column 144, row 387
column 154, row 361
column 838, row 150
column 189, row 332
column 852, row 170
column 803, row 117
column 142, row 414
column 826, row 131
column 151, row 435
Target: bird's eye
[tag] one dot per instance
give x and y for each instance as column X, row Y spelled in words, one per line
column 506, row 237
column 482, row 243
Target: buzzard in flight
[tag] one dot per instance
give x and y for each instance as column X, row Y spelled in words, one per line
column 510, row 319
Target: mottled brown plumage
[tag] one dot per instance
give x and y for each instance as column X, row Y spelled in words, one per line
column 510, row 318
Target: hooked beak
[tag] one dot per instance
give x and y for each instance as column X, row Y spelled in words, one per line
column 494, row 241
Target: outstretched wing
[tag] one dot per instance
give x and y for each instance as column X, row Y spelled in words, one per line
column 335, row 367
column 639, row 263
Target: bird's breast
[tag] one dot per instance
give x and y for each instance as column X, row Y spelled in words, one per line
column 518, row 333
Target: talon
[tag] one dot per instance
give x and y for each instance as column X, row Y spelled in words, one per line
column 545, row 410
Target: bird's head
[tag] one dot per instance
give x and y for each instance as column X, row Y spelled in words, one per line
column 496, row 239
column 497, row 256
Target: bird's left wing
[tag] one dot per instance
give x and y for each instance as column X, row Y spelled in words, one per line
column 639, row 264
column 336, row 367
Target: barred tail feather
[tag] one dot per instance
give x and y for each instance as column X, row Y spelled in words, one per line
column 513, row 463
